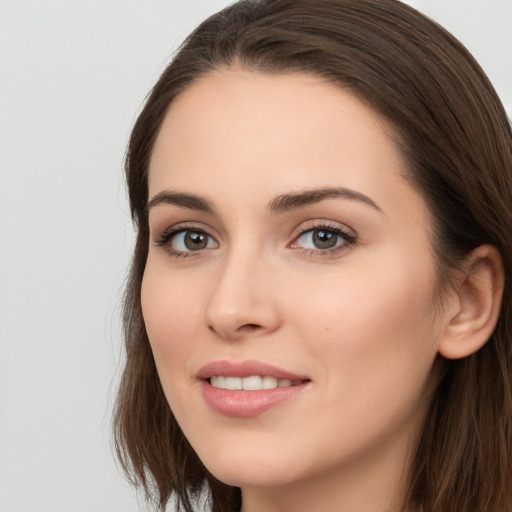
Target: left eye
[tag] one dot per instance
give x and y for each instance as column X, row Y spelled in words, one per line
column 190, row 240
column 322, row 239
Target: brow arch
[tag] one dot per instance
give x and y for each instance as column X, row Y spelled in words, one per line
column 291, row 201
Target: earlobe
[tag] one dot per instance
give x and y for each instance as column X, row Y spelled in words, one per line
column 478, row 295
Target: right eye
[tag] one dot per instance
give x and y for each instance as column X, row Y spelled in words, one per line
column 181, row 242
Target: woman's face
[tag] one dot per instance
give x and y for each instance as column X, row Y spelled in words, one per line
column 287, row 249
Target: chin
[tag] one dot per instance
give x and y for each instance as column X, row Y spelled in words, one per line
column 246, row 477
column 250, row 468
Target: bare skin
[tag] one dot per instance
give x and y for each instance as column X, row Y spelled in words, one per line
column 336, row 286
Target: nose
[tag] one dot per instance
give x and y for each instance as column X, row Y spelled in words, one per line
column 243, row 302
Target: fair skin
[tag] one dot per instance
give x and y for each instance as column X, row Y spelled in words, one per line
column 335, row 288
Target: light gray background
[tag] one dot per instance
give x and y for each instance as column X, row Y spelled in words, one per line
column 73, row 75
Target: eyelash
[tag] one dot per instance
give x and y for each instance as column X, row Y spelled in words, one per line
column 170, row 233
column 347, row 238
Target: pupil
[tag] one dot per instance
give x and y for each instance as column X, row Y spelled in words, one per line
column 195, row 241
column 324, row 239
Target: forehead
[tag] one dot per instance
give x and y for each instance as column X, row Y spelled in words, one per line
column 243, row 121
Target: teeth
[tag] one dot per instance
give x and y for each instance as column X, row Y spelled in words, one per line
column 269, row 383
column 232, row 383
column 252, row 383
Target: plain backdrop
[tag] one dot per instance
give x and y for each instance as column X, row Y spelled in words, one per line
column 73, row 76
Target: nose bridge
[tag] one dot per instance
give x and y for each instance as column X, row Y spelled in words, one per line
column 242, row 300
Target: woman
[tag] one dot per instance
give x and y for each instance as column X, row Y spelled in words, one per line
column 318, row 312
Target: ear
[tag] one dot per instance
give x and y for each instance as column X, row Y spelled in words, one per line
column 476, row 304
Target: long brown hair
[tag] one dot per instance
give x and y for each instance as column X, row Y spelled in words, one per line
column 457, row 142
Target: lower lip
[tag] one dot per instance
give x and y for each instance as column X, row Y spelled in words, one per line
column 247, row 404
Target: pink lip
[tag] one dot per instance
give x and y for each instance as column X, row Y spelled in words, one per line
column 247, row 404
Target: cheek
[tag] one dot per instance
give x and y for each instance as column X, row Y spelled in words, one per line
column 388, row 290
column 171, row 315
column 373, row 343
column 372, row 324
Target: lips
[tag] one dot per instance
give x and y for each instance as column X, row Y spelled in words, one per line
column 248, row 388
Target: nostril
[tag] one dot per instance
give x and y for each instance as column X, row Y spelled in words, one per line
column 236, row 332
column 249, row 327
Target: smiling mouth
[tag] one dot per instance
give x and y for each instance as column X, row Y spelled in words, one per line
column 251, row 383
column 249, row 388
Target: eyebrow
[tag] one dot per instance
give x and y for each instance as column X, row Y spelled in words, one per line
column 180, row 199
column 280, row 204
column 286, row 202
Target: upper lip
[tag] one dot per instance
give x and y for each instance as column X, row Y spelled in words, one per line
column 246, row 369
